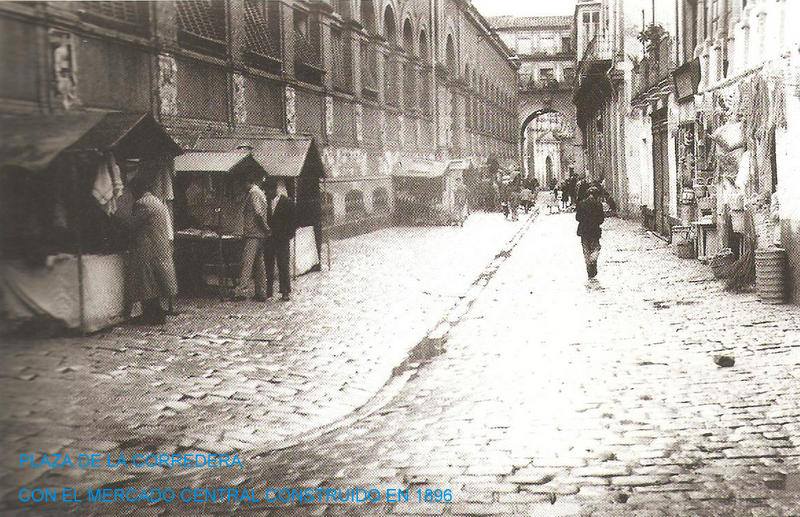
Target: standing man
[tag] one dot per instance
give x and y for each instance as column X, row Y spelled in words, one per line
column 281, row 219
column 152, row 267
column 590, row 216
column 461, row 201
column 254, row 231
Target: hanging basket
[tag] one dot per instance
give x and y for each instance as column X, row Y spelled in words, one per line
column 730, row 136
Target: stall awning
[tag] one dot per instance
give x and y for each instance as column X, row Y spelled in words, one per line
column 32, row 142
column 460, row 165
column 216, row 162
column 421, row 169
column 278, row 156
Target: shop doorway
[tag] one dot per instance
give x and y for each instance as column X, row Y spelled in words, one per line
column 661, row 172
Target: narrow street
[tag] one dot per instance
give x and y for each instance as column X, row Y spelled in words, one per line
column 554, row 395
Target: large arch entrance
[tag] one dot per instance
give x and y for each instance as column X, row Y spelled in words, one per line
column 548, row 129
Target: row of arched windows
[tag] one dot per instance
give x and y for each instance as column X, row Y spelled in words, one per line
column 416, row 46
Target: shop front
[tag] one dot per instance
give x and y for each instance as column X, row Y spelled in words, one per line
column 212, row 209
column 424, row 192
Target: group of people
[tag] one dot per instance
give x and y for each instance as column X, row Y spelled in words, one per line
column 573, row 188
column 518, row 193
column 268, row 228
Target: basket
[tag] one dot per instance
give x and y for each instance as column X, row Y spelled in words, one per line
column 771, row 275
column 707, row 204
column 721, row 263
column 684, row 250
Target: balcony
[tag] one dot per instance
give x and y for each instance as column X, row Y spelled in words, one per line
column 658, row 63
column 542, row 55
column 597, row 49
column 532, row 84
column 308, row 59
column 369, row 71
column 391, row 84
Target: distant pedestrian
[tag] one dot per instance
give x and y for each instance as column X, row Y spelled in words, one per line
column 460, row 202
column 571, row 188
column 563, row 188
column 281, row 219
column 152, row 267
column 504, row 192
column 590, row 216
column 514, row 201
column 527, row 199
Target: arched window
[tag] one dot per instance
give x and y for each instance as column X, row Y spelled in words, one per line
column 368, row 15
column 327, row 210
column 450, row 54
column 354, row 204
column 423, row 46
column 389, row 26
column 408, row 37
column 380, row 200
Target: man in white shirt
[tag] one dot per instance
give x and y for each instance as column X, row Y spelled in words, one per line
column 254, row 231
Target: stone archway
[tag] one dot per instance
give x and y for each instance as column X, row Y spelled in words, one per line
column 537, row 102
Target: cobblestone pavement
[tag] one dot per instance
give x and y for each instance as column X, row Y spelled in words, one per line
column 239, row 375
column 554, row 395
column 561, row 396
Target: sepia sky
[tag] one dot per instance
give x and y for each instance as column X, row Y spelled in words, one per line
column 525, row 7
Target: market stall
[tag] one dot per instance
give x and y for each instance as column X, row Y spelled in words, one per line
column 734, row 155
column 210, row 193
column 298, row 162
column 65, row 211
column 425, row 192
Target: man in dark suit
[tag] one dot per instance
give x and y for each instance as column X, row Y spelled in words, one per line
column 590, row 216
column 281, row 221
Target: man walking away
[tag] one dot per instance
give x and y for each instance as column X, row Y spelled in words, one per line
column 590, row 216
column 254, row 232
column 152, row 266
column 515, row 199
column 281, row 219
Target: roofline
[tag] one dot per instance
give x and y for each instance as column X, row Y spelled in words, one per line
column 491, row 35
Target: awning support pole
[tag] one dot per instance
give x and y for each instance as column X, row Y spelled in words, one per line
column 325, row 233
column 81, row 294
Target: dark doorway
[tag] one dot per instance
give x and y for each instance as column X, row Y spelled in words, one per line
column 661, row 172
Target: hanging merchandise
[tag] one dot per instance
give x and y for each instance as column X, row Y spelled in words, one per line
column 743, row 174
column 107, row 184
column 745, row 100
column 730, row 136
column 758, row 115
column 778, row 102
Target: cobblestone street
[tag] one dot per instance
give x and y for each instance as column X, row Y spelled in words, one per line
column 237, row 375
column 550, row 394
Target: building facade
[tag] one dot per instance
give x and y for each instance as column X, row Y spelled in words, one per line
column 600, row 94
column 545, row 48
column 687, row 113
column 376, row 83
